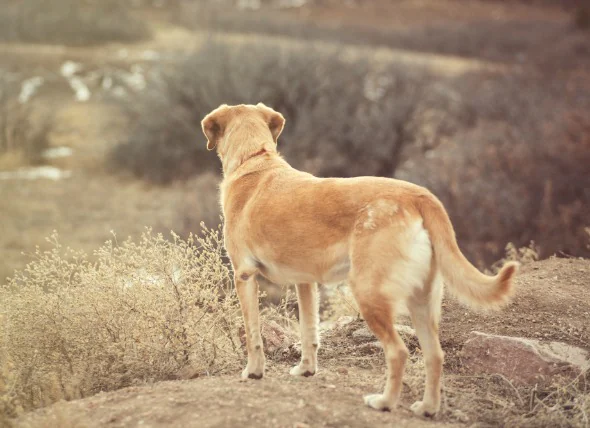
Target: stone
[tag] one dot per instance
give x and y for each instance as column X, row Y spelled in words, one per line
column 364, row 334
column 275, row 338
column 523, row 361
column 369, row 348
column 343, row 321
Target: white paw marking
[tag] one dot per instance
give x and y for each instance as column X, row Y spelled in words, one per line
column 252, row 374
column 421, row 409
column 378, row 402
column 300, row 370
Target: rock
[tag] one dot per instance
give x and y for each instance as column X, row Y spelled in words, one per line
column 365, row 334
column 275, row 338
column 523, row 361
column 187, row 372
column 369, row 348
column 344, row 321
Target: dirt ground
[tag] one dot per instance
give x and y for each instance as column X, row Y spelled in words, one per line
column 329, row 399
column 551, row 303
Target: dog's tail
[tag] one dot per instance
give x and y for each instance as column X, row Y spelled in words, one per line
column 464, row 280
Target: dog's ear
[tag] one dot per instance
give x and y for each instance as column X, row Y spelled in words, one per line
column 214, row 125
column 274, row 119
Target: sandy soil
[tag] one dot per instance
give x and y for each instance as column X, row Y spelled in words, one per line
column 330, row 399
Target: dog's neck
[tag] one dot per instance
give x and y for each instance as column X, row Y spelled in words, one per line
column 237, row 165
column 253, row 155
column 244, row 142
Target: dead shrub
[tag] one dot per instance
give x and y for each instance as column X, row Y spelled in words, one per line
column 336, row 109
column 74, row 324
column 505, row 153
column 519, row 173
column 70, row 22
column 146, row 311
column 582, row 17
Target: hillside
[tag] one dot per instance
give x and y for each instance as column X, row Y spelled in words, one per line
column 551, row 304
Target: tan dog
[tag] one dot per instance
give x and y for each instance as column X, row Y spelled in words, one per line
column 392, row 241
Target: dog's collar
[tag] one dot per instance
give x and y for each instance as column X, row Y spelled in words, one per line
column 258, row 153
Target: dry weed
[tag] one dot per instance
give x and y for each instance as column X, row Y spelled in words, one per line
column 523, row 255
column 145, row 311
column 320, row 92
column 338, row 302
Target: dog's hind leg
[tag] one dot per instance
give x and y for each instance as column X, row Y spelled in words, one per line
column 378, row 311
column 247, row 289
column 425, row 313
column 307, row 296
column 390, row 255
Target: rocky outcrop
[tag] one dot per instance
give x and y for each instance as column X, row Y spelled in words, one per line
column 523, row 361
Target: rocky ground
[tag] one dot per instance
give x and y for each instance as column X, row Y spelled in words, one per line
column 551, row 305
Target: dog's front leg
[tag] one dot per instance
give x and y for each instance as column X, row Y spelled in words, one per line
column 307, row 296
column 247, row 290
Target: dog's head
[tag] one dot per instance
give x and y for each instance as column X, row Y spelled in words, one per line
column 231, row 125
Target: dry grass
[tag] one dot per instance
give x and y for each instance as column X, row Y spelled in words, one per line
column 142, row 312
column 493, row 399
column 70, row 22
column 139, row 312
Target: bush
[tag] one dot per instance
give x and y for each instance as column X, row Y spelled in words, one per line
column 520, row 173
column 147, row 311
column 505, row 153
column 338, row 110
column 70, row 22
column 582, row 17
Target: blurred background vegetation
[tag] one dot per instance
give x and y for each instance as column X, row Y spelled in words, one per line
column 484, row 102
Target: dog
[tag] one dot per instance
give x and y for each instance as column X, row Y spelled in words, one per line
column 392, row 242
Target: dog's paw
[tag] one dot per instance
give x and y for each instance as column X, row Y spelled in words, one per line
column 378, row 402
column 300, row 370
column 422, row 409
column 252, row 374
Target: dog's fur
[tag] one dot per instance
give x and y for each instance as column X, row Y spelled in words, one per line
column 391, row 240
